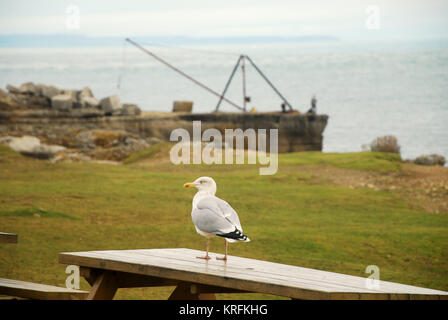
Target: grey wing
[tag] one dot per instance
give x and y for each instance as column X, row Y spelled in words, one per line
column 216, row 216
column 221, row 208
column 207, row 220
column 229, row 213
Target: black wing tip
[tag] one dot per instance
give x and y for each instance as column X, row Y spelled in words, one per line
column 235, row 235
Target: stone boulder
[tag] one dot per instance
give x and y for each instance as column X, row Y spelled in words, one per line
column 14, row 100
column 12, row 89
column 99, row 144
column 86, row 92
column 127, row 110
column 131, row 110
column 29, row 88
column 430, row 160
column 62, row 102
column 31, row 146
column 6, row 139
column 72, row 93
column 183, row 106
column 47, row 91
column 29, row 99
column 110, row 104
column 90, row 102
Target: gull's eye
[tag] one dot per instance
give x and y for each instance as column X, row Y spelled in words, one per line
column 202, row 181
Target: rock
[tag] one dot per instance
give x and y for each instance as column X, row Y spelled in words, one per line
column 83, row 140
column 109, row 104
column 86, row 92
column 153, row 140
column 86, row 113
column 48, row 91
column 70, row 157
column 131, row 110
column 116, row 112
column 31, row 146
column 127, row 110
column 44, row 151
column 90, row 102
column 24, row 143
column 183, row 106
column 430, row 160
column 71, row 93
column 6, row 139
column 62, row 102
column 87, row 100
column 27, row 101
column 108, row 138
column 29, row 88
column 12, row 89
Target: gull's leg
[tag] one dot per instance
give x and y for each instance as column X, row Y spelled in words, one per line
column 207, row 257
column 225, row 256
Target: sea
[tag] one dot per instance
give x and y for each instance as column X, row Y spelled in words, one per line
column 368, row 90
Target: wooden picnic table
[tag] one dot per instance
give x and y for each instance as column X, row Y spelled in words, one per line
column 106, row 271
column 8, row 237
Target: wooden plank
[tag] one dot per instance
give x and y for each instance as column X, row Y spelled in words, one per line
column 201, row 288
column 241, row 274
column 182, row 275
column 354, row 281
column 255, row 285
column 344, row 296
column 184, row 265
column 8, row 237
column 104, row 287
column 128, row 280
column 360, row 278
column 188, row 291
column 339, row 281
column 271, row 270
column 38, row 291
column 318, row 275
column 89, row 274
column 359, row 287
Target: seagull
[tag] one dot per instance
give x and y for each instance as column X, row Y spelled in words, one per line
column 213, row 216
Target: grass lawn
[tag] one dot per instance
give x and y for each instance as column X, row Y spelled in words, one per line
column 292, row 217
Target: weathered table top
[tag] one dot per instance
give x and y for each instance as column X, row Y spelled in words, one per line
column 247, row 275
column 8, row 237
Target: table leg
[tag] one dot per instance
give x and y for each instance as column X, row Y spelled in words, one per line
column 104, row 288
column 186, row 291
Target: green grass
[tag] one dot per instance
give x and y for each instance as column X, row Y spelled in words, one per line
column 290, row 217
column 35, row 212
column 372, row 161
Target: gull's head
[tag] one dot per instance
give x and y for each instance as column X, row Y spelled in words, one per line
column 203, row 184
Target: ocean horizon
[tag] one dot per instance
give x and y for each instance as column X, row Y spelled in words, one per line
column 367, row 89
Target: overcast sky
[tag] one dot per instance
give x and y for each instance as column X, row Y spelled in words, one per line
column 348, row 19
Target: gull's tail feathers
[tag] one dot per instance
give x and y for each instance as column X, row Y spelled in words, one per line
column 234, row 236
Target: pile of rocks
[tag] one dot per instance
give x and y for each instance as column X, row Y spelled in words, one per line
column 31, row 146
column 70, row 102
column 81, row 145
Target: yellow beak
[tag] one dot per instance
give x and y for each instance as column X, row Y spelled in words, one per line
column 190, row 184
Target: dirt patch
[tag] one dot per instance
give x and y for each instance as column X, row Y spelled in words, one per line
column 424, row 187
